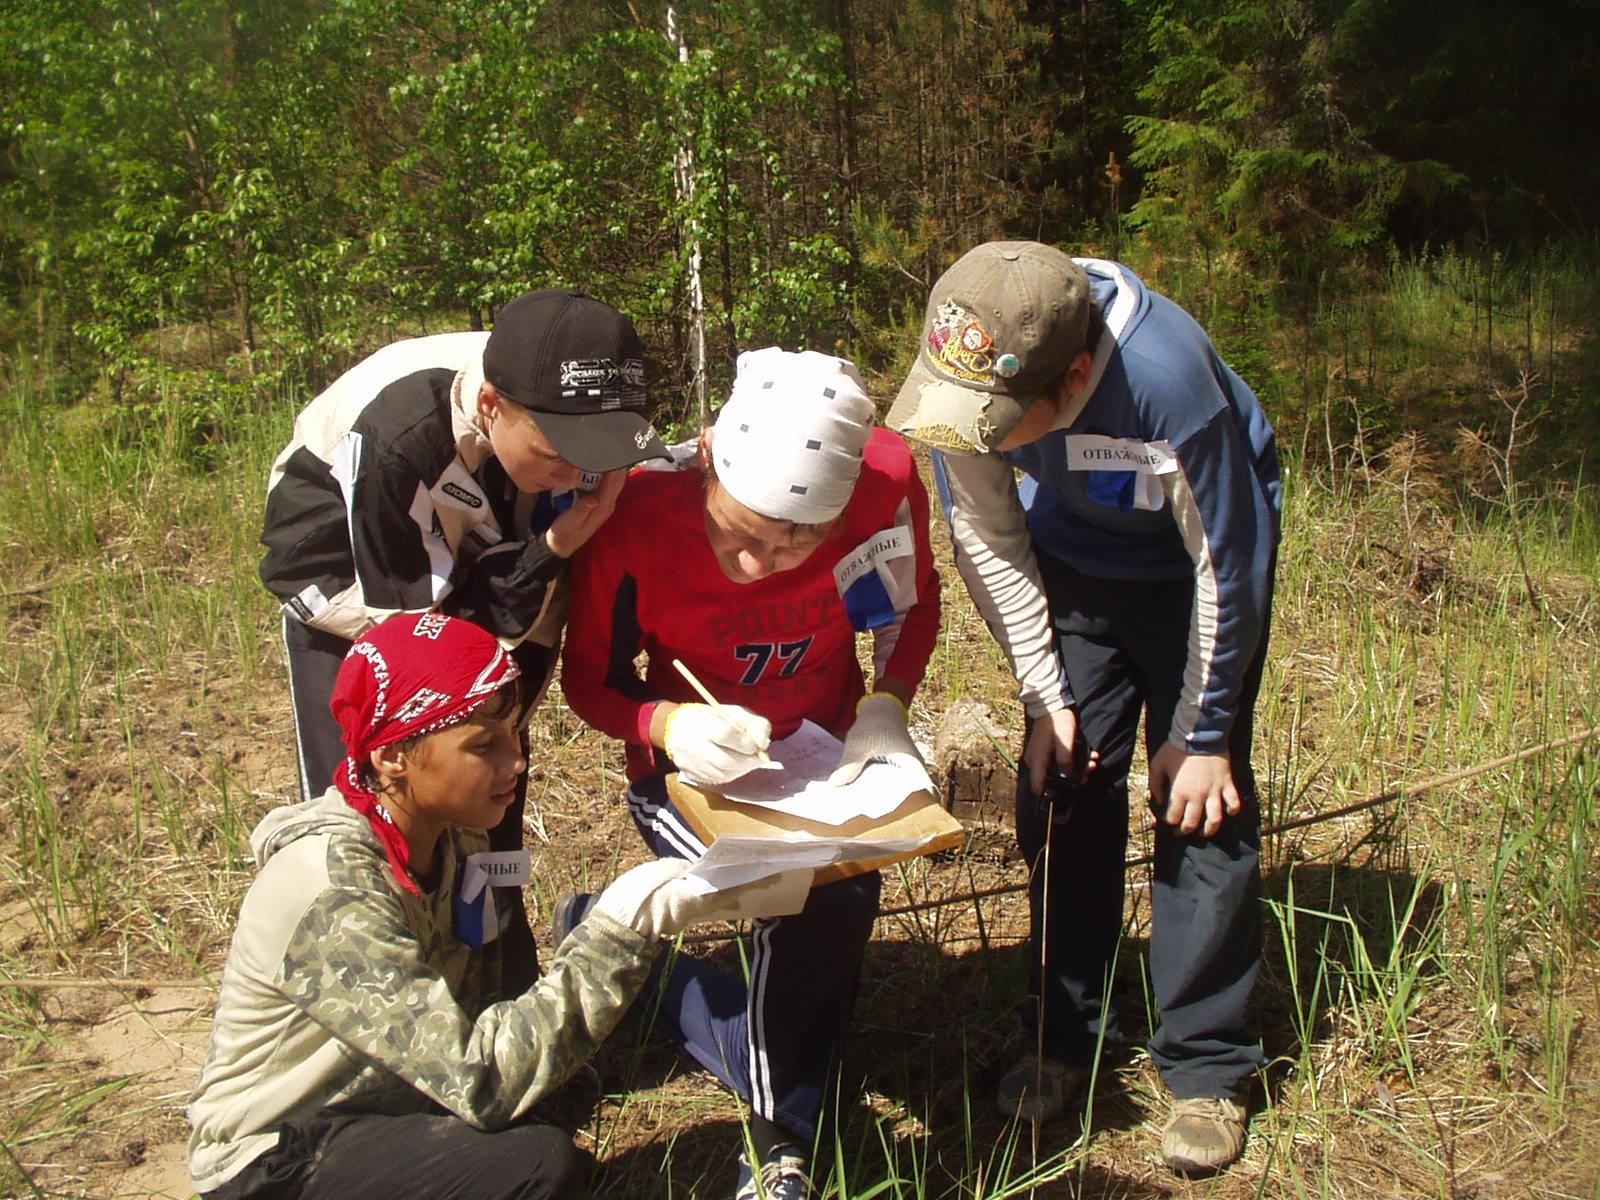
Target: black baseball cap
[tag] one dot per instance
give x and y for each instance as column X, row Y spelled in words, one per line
column 578, row 365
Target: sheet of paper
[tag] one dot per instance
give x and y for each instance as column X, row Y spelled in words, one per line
column 734, row 860
column 778, row 895
column 801, row 788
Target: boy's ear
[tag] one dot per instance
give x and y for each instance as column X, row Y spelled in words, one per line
column 388, row 762
column 1077, row 376
column 488, row 400
column 703, row 455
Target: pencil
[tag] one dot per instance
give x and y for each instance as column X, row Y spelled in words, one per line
column 703, row 693
column 699, row 687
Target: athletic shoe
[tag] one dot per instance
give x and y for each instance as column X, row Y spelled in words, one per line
column 785, row 1175
column 569, row 913
column 1036, row 1089
column 1203, row 1135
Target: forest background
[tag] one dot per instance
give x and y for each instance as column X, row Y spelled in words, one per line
column 277, row 187
column 1385, row 213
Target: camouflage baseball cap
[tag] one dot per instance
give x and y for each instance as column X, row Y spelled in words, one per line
column 1003, row 322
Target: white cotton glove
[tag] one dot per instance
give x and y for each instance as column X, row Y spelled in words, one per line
column 654, row 902
column 713, row 743
column 879, row 733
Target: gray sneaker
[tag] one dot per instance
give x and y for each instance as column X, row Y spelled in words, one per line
column 1036, row 1089
column 785, row 1175
column 1203, row 1135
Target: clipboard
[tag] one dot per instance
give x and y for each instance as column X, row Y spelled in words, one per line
column 711, row 814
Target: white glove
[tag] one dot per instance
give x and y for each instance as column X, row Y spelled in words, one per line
column 641, row 898
column 654, row 902
column 879, row 732
column 713, row 743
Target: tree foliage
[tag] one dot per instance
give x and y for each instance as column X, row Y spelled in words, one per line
column 1253, row 144
column 261, row 191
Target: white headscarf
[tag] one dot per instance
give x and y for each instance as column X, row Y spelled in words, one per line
column 789, row 441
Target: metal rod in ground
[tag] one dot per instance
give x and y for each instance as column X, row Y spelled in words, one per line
column 1384, row 797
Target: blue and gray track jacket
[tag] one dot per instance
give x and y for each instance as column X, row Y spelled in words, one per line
column 1163, row 467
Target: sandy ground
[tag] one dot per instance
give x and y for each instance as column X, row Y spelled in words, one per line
column 160, row 1039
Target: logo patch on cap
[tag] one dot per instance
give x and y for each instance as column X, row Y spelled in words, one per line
column 960, row 346
column 941, row 437
column 617, row 384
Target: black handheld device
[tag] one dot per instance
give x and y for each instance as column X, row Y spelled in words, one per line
column 1061, row 787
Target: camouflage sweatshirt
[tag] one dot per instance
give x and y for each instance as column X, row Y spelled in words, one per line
column 339, row 988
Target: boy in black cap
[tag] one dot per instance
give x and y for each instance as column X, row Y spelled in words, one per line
column 455, row 473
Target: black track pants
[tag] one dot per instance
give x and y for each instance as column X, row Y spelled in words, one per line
column 334, row 1155
column 1124, row 646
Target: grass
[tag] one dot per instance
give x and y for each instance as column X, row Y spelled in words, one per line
column 1431, row 966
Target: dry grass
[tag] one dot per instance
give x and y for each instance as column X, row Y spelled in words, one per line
column 1430, row 969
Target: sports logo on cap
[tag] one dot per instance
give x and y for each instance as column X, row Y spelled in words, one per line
column 618, row 383
column 960, row 346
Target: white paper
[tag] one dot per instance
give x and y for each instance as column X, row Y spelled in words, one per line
column 734, row 859
column 801, row 788
column 776, row 895
column 1096, row 452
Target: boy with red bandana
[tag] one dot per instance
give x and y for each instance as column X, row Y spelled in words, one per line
column 361, row 1048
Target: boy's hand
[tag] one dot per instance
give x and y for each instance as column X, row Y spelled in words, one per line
column 649, row 899
column 1050, row 744
column 589, row 511
column 715, row 743
column 1197, row 790
column 878, row 733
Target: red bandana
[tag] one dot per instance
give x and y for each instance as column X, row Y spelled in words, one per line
column 411, row 674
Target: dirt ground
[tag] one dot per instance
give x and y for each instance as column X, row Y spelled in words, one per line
column 935, row 1026
column 935, row 1029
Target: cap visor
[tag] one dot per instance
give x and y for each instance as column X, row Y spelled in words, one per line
column 950, row 417
column 601, row 441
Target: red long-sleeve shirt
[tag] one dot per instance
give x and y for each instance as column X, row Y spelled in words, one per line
column 783, row 646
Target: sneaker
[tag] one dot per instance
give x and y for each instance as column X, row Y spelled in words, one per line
column 568, row 914
column 1203, row 1135
column 785, row 1175
column 1036, row 1089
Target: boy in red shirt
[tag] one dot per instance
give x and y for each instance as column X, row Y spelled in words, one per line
column 803, row 526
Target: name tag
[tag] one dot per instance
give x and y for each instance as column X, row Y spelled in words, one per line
column 877, row 580
column 880, row 547
column 1126, row 472
column 1096, row 452
column 477, row 921
column 495, row 868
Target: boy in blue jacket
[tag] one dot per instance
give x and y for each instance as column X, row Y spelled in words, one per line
column 1130, row 571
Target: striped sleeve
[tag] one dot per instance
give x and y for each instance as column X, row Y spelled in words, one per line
column 994, row 554
column 1229, row 531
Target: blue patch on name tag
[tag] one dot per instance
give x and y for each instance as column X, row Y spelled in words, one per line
column 1114, row 489
column 468, row 918
column 867, row 602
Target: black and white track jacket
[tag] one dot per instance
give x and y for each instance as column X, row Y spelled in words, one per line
column 389, row 499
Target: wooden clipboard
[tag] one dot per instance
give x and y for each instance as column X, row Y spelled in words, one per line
column 920, row 816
